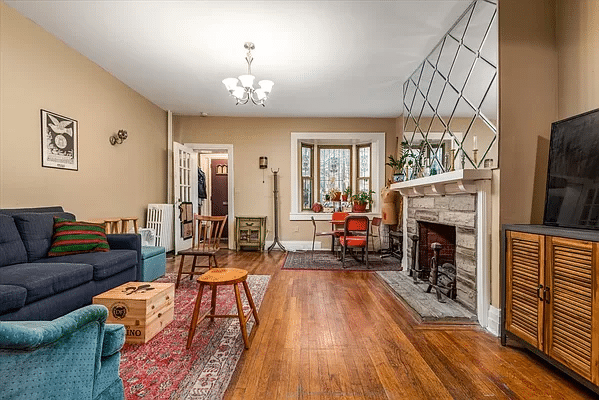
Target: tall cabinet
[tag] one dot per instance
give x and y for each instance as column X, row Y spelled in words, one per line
column 551, row 299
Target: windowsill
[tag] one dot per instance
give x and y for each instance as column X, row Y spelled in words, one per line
column 306, row 216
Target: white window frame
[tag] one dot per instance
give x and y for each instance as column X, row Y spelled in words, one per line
column 377, row 142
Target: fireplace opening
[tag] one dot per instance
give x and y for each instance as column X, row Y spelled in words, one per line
column 429, row 233
column 436, row 258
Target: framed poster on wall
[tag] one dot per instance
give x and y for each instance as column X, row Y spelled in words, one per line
column 59, row 141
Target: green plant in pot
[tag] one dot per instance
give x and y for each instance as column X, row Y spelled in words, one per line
column 398, row 164
column 362, row 200
column 346, row 194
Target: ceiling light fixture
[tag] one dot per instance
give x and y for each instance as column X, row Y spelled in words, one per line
column 246, row 91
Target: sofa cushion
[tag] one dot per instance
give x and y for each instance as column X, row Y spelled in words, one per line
column 12, row 298
column 42, row 280
column 72, row 237
column 104, row 264
column 36, row 231
column 12, row 249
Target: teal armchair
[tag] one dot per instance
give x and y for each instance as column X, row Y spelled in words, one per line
column 76, row 356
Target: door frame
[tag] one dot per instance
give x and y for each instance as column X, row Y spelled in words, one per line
column 224, row 148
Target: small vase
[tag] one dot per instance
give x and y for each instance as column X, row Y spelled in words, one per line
column 398, row 177
column 344, row 197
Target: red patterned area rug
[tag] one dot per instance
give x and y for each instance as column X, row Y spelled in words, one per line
column 164, row 369
column 327, row 261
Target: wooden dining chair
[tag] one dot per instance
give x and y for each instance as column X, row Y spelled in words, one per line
column 355, row 235
column 205, row 242
column 330, row 234
column 376, row 232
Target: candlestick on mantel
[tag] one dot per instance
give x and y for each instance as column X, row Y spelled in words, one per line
column 474, row 143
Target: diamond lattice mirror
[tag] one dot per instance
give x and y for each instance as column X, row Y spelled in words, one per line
column 450, row 101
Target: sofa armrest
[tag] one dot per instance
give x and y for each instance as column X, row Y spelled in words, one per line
column 127, row 241
column 114, row 339
column 29, row 335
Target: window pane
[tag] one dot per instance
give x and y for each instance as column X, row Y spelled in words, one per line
column 364, row 160
column 363, row 185
column 306, row 193
column 306, row 161
column 335, row 170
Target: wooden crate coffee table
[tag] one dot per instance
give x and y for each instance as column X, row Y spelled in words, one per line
column 144, row 308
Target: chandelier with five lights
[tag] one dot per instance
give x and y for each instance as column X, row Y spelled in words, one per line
column 246, row 92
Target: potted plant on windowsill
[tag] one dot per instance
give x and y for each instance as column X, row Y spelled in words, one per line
column 335, row 194
column 346, row 194
column 362, row 201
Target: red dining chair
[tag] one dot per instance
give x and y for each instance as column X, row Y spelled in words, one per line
column 337, row 216
column 355, row 235
column 330, row 234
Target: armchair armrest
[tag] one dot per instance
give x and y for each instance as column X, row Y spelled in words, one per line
column 114, row 339
column 29, row 335
column 127, row 241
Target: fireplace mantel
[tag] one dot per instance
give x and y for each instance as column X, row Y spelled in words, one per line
column 460, row 181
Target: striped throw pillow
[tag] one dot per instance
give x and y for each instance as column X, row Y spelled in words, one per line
column 71, row 237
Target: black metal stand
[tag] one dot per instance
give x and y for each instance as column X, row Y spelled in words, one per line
column 276, row 240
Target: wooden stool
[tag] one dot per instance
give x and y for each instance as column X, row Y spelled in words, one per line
column 125, row 224
column 214, row 278
column 112, row 225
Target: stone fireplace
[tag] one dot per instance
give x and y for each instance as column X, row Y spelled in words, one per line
column 457, row 201
column 432, row 216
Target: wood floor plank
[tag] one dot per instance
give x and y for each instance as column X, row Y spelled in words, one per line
column 344, row 335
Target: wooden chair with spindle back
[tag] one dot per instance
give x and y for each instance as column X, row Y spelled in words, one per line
column 205, row 242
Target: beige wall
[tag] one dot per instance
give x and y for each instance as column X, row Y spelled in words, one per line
column 528, row 105
column 38, row 71
column 271, row 137
column 578, row 63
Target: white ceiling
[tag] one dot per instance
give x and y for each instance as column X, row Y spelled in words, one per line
column 326, row 58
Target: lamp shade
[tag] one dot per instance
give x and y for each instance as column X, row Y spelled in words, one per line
column 238, row 92
column 230, row 83
column 247, row 80
column 266, row 85
column 260, row 94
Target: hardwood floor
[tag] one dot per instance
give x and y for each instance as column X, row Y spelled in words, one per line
column 343, row 335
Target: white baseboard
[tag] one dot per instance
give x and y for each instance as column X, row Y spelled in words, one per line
column 494, row 323
column 294, row 245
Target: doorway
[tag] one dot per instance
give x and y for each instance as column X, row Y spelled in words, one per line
column 215, row 163
column 217, row 188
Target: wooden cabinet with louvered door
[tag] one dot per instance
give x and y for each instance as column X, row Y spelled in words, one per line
column 525, row 271
column 571, row 304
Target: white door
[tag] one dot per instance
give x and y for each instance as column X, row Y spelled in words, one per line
column 186, row 188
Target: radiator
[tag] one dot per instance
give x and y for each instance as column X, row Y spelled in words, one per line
column 160, row 219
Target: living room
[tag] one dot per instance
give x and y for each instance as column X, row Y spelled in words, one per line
column 547, row 58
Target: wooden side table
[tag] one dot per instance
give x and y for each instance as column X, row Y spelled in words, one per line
column 112, row 225
column 215, row 278
column 125, row 224
column 250, row 232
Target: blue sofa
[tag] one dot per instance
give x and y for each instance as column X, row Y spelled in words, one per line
column 36, row 287
column 74, row 357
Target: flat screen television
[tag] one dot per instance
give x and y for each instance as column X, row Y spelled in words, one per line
column 572, row 197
